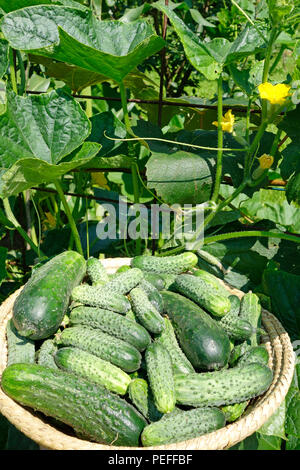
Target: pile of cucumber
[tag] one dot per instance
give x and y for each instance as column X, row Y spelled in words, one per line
column 157, row 353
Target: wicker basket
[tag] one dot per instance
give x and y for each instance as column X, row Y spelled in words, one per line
column 281, row 361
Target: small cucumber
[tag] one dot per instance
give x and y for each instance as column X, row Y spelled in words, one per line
column 123, row 269
column 108, row 348
column 224, row 387
column 167, row 264
column 157, row 280
column 183, row 426
column 19, row 349
column 160, row 374
column 93, row 369
column 255, row 354
column 233, row 412
column 153, row 295
column 141, row 396
column 201, row 292
column 46, row 354
column 235, row 327
column 126, row 281
column 251, row 312
column 213, row 281
column 96, row 271
column 237, row 352
column 145, row 312
column 99, row 296
column 180, row 363
column 112, row 323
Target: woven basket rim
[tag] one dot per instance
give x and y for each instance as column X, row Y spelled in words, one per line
column 282, row 359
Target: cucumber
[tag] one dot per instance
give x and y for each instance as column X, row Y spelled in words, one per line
column 126, row 281
column 157, row 280
column 46, row 354
column 202, row 292
column 167, row 264
column 213, row 281
column 183, row 426
column 40, row 307
column 123, row 269
column 233, row 412
column 19, row 349
column 180, row 363
column 93, row 369
column 251, row 312
column 112, row 323
column 141, row 396
column 96, row 271
column 235, row 327
column 224, row 387
column 108, row 348
column 90, row 409
column 145, row 312
column 237, row 352
column 160, row 374
column 99, row 296
column 202, row 339
column 130, row 316
column 255, row 354
column 153, row 295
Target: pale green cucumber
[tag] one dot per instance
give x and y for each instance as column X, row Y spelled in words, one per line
column 46, row 354
column 96, row 271
column 99, row 296
column 251, row 312
column 19, row 349
column 125, row 281
column 167, row 264
column 145, row 312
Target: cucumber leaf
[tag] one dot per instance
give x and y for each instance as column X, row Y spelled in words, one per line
column 78, row 38
column 293, row 413
column 275, row 426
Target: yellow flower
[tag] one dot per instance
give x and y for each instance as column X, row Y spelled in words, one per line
column 276, row 94
column 99, row 179
column 50, row 220
column 265, row 161
column 227, row 121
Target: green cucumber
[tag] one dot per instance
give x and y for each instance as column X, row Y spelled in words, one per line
column 96, row 271
column 126, row 281
column 251, row 312
column 93, row 369
column 201, row 338
column 182, row 426
column 233, row 412
column 167, row 264
column 112, row 323
column 145, row 312
column 141, row 396
column 90, row 409
column 153, row 295
column 180, row 363
column 224, row 387
column 19, row 349
column 157, row 280
column 237, row 352
column 213, row 281
column 123, row 269
column 99, row 296
column 46, row 354
column 255, row 354
column 160, row 375
column 202, row 292
column 40, row 307
column 235, row 327
column 105, row 346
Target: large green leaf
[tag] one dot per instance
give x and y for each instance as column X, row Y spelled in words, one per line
column 8, row 5
column 75, row 36
column 275, row 426
column 293, row 413
column 3, row 56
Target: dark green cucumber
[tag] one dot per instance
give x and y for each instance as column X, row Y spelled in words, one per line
column 46, row 353
column 202, row 339
column 105, row 346
column 96, row 271
column 255, row 354
column 112, row 323
column 89, row 409
column 202, row 292
column 167, row 264
column 153, row 295
column 99, row 296
column 180, row 363
column 19, row 349
column 224, row 387
column 182, row 426
column 126, row 281
column 160, row 375
column 145, row 312
column 235, row 327
column 141, row 396
column 93, row 368
column 251, row 312
column 233, row 412
column 40, row 307
column 237, row 352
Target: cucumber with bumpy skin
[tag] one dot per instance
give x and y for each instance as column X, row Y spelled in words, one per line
column 90, row 409
column 96, row 271
column 99, row 296
column 237, row 352
column 236, row 327
column 153, row 295
column 160, row 374
column 126, row 281
column 46, row 354
column 113, row 324
column 167, row 264
column 251, row 312
column 105, row 346
column 145, row 312
column 157, row 280
column 233, row 412
column 224, row 387
column 19, row 349
column 180, row 363
column 255, row 354
column 182, row 426
column 213, row 281
column 141, row 396
column 201, row 292
column 93, row 369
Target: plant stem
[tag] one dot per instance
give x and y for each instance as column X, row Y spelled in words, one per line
column 22, row 72
column 251, row 233
column 267, row 68
column 11, row 219
column 69, row 216
column 279, row 55
column 218, row 176
column 253, row 147
column 12, row 67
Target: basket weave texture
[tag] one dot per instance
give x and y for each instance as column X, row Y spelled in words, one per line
column 282, row 360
